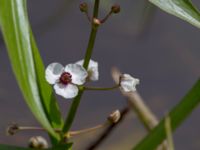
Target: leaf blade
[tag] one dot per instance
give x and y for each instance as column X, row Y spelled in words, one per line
column 183, row 9
column 27, row 64
column 177, row 115
column 9, row 147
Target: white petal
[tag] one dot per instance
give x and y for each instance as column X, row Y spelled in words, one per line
column 80, row 62
column 93, row 71
column 66, row 91
column 78, row 73
column 128, row 83
column 53, row 72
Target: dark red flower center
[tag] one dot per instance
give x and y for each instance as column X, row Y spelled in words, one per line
column 65, row 78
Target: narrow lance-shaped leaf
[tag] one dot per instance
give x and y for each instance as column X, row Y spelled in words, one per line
column 180, row 8
column 27, row 64
column 177, row 115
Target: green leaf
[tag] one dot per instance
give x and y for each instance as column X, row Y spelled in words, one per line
column 8, row 147
column 65, row 146
column 177, row 115
column 180, row 8
column 27, row 64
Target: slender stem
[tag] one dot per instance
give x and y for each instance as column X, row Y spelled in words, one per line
column 106, row 17
column 76, row 101
column 169, row 132
column 71, row 133
column 72, row 112
column 101, row 88
column 90, row 47
column 36, row 128
column 92, row 38
column 31, row 128
column 96, row 9
column 88, row 16
column 74, row 133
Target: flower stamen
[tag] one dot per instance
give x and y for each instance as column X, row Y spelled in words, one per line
column 65, row 78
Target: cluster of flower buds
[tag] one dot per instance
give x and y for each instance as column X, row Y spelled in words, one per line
column 115, row 9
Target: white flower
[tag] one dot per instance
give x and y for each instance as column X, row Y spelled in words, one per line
column 93, row 72
column 65, row 79
column 128, row 83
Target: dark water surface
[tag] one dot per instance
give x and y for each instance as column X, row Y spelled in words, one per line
column 165, row 58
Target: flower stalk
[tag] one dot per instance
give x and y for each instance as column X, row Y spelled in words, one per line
column 83, row 131
column 73, row 109
column 114, row 9
column 92, row 38
column 101, row 88
column 14, row 128
column 84, row 8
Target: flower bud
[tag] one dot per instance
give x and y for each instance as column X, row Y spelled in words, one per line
column 115, row 8
column 38, row 142
column 83, row 7
column 114, row 116
column 12, row 129
column 96, row 22
column 128, row 83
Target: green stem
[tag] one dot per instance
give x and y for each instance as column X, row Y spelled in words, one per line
column 72, row 112
column 76, row 101
column 101, row 88
column 74, row 133
column 37, row 128
column 88, row 53
column 96, row 9
column 93, row 33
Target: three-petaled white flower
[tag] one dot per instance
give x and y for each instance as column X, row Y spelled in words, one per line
column 65, row 79
column 93, row 72
column 128, row 83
